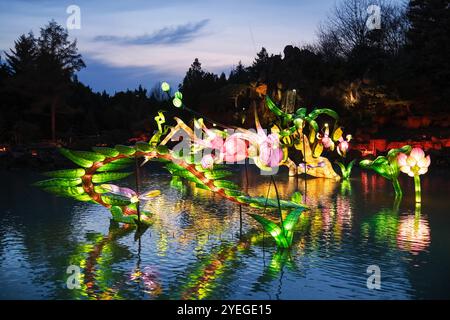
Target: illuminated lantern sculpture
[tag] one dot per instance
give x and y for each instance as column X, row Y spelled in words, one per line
column 292, row 131
column 388, row 167
column 165, row 87
column 414, row 165
column 96, row 168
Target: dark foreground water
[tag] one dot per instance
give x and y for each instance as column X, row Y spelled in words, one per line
column 198, row 249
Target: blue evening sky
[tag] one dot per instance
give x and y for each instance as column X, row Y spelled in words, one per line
column 127, row 43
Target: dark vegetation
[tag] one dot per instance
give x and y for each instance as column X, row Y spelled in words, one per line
column 376, row 79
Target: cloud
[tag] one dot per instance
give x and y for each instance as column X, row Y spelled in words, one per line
column 100, row 76
column 169, row 35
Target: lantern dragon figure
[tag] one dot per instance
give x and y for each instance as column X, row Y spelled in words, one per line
column 200, row 160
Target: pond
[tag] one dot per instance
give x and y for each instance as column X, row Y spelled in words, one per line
column 201, row 246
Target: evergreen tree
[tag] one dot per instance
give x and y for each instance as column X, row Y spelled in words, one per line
column 239, row 74
column 22, row 59
column 192, row 85
column 58, row 60
column 259, row 66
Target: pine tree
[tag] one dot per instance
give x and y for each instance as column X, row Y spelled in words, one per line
column 22, row 59
column 239, row 74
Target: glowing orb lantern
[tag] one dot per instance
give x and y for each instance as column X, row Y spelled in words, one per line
column 177, row 102
column 179, row 95
column 165, row 86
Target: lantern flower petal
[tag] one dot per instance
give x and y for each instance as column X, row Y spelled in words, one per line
column 234, row 149
column 414, row 164
column 343, row 145
column 207, row 161
column 417, row 154
column 270, row 152
column 129, row 193
column 327, row 142
column 424, row 162
column 401, row 160
column 411, row 161
column 422, row 170
column 405, row 169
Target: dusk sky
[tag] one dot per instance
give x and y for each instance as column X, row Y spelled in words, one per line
column 127, row 43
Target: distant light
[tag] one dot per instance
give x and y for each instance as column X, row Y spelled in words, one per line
column 179, row 95
column 294, row 90
column 214, row 125
column 165, row 86
column 177, row 102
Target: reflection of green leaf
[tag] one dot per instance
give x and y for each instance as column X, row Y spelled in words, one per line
column 273, row 229
column 383, row 226
column 297, row 198
column 346, row 187
column 118, row 216
column 279, row 260
column 176, row 183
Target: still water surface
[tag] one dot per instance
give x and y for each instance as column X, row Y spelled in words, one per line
column 199, row 249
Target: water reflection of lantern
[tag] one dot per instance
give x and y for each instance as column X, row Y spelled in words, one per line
column 383, row 226
column 344, row 211
column 365, row 182
column 183, row 221
column 413, row 234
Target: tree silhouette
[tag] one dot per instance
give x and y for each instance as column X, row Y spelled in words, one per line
column 58, row 60
column 346, row 35
column 259, row 66
column 239, row 74
column 22, row 59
